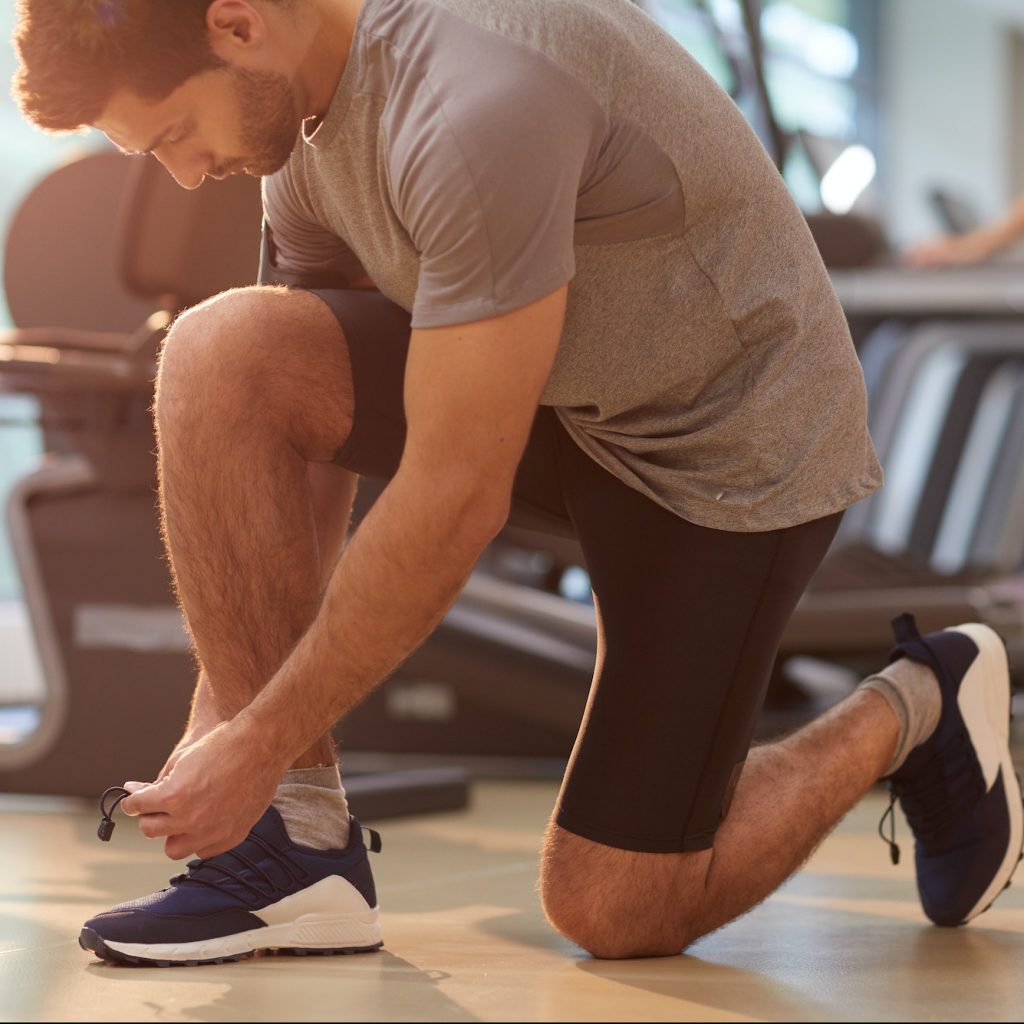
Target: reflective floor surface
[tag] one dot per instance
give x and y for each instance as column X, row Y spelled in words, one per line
column 465, row 939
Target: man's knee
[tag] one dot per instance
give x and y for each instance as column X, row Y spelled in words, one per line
column 228, row 343
column 249, row 353
column 618, row 904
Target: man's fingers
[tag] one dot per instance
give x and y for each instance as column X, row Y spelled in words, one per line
column 216, row 847
column 179, row 847
column 185, row 844
column 146, row 798
column 157, row 826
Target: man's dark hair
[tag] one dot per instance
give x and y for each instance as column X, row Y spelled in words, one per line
column 76, row 54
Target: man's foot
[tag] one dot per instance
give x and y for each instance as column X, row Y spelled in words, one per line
column 265, row 893
column 958, row 789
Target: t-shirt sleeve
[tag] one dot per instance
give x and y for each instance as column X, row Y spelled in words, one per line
column 298, row 250
column 484, row 174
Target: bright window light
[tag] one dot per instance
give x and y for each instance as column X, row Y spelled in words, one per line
column 854, row 169
column 830, row 50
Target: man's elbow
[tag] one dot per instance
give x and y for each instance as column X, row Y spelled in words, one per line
column 470, row 497
column 483, row 513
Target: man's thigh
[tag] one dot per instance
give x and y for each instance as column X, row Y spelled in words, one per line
column 690, row 621
column 377, row 336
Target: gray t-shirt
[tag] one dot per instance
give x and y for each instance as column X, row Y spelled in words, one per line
column 478, row 154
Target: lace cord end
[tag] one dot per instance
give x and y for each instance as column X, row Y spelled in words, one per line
column 890, row 839
column 106, row 826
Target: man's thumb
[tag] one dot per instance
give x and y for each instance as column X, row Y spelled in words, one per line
column 130, row 804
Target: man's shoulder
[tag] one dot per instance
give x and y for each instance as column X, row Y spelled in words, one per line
column 432, row 36
column 511, row 18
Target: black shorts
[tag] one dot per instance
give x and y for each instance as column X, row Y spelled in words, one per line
column 689, row 618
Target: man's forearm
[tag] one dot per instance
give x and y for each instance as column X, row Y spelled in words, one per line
column 398, row 575
column 204, row 714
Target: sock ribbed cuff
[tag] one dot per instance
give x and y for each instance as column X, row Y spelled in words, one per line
column 312, row 804
column 913, row 693
column 327, row 776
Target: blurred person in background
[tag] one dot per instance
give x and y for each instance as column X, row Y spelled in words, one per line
column 974, row 246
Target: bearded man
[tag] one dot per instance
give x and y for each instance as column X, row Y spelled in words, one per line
column 523, row 255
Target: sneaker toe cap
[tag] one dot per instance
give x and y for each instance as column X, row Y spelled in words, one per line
column 952, row 887
column 147, row 928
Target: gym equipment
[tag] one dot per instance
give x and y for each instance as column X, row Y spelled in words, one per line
column 945, row 536
column 84, row 525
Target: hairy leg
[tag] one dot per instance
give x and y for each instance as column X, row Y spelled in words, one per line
column 254, row 385
column 332, row 490
column 621, row 903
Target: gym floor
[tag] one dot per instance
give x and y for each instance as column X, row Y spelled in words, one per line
column 465, row 938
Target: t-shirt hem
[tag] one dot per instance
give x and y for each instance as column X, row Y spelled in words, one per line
column 782, row 511
column 715, row 517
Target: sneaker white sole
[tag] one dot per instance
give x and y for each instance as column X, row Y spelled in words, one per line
column 984, row 702
column 329, row 916
column 313, row 933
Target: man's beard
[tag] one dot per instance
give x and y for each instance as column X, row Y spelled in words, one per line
column 269, row 123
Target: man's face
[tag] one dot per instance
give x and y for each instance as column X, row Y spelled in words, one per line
column 217, row 123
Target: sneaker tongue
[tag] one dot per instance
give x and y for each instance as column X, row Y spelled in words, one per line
column 271, row 829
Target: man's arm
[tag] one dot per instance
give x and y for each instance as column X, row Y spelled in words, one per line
column 471, row 394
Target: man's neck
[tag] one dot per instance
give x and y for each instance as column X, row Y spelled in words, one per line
column 328, row 26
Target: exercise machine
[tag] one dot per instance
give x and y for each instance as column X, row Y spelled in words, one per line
column 100, row 258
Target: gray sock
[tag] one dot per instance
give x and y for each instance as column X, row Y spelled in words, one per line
column 914, row 696
column 312, row 803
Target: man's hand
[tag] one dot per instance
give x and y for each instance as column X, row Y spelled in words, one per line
column 216, row 790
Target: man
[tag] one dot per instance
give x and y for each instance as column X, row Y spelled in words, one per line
column 620, row 324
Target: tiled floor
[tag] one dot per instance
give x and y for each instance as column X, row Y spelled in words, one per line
column 465, row 939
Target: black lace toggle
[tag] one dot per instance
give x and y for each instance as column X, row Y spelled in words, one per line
column 106, row 827
column 904, row 628
column 894, row 850
column 374, row 844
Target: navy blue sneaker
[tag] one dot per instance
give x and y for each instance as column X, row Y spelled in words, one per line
column 265, row 893
column 958, row 789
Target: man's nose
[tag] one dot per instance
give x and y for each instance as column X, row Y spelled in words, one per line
column 188, row 173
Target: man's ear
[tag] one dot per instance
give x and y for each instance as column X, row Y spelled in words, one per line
column 234, row 27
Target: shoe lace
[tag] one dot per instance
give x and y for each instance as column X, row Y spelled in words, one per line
column 933, row 798
column 215, row 872
column 890, row 813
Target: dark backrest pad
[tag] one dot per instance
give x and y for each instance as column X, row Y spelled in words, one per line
column 61, row 266
column 189, row 244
